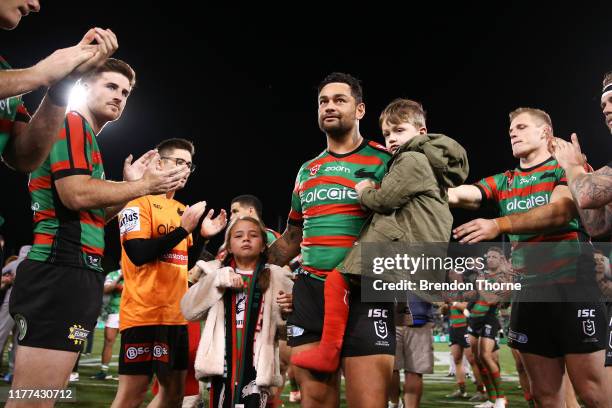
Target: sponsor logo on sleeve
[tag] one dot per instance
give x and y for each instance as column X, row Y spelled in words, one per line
column 129, row 220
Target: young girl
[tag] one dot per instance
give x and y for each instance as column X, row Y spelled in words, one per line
column 241, row 300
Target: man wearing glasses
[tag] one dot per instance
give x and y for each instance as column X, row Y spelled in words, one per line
column 155, row 235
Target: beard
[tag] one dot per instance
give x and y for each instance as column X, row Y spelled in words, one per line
column 336, row 130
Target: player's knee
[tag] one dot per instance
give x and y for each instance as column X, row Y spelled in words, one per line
column 315, row 396
column 591, row 393
column 544, row 396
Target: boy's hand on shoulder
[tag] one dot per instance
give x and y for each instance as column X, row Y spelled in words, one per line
column 363, row 184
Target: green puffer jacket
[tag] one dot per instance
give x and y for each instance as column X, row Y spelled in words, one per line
column 411, row 204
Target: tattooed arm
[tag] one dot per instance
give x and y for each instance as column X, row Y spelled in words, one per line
column 592, row 192
column 286, row 247
column 593, row 196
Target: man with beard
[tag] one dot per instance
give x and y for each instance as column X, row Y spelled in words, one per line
column 325, row 218
column 57, row 294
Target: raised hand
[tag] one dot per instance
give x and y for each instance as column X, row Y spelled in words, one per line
column 107, row 44
column 134, row 171
column 212, row 226
column 157, row 181
column 191, row 216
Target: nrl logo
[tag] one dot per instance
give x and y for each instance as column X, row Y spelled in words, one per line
column 588, row 327
column 380, row 327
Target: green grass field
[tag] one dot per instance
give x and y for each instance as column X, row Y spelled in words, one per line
column 92, row 393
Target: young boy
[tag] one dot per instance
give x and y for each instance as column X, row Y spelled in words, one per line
column 412, row 198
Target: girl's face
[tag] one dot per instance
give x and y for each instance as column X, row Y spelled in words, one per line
column 246, row 241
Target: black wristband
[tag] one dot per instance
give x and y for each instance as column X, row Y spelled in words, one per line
column 59, row 93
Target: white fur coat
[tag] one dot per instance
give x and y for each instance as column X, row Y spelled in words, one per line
column 204, row 301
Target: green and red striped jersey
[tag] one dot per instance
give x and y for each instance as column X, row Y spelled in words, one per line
column 456, row 317
column 11, row 110
column 482, row 308
column 272, row 235
column 324, row 203
column 519, row 190
column 63, row 236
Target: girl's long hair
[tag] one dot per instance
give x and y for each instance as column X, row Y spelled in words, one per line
column 264, row 276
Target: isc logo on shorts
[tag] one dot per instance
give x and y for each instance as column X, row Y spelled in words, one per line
column 141, row 352
column 586, row 312
column 377, row 313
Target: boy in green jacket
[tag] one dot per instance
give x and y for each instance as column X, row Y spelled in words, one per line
column 410, row 206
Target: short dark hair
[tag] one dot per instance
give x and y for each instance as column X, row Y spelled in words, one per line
column 354, row 83
column 249, row 200
column 113, row 65
column 175, row 143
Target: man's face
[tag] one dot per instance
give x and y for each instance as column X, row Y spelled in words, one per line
column 106, row 95
column 396, row 135
column 527, row 135
column 237, row 210
column 11, row 11
column 338, row 110
column 493, row 260
column 606, row 108
column 176, row 157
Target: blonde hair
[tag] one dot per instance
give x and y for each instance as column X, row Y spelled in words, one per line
column 538, row 114
column 403, row 111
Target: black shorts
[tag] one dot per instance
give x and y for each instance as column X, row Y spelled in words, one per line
column 459, row 336
column 55, row 307
column 554, row 329
column 148, row 350
column 370, row 329
column 486, row 326
column 609, row 336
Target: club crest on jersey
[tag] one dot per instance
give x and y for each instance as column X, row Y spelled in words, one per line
column 380, row 327
column 588, row 327
column 314, row 169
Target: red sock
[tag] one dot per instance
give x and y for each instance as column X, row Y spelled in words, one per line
column 326, row 356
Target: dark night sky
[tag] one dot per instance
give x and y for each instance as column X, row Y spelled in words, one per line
column 249, row 102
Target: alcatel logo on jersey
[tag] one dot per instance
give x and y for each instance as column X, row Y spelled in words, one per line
column 129, row 220
column 322, row 194
column 527, row 203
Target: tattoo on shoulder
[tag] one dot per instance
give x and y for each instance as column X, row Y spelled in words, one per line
column 594, row 188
